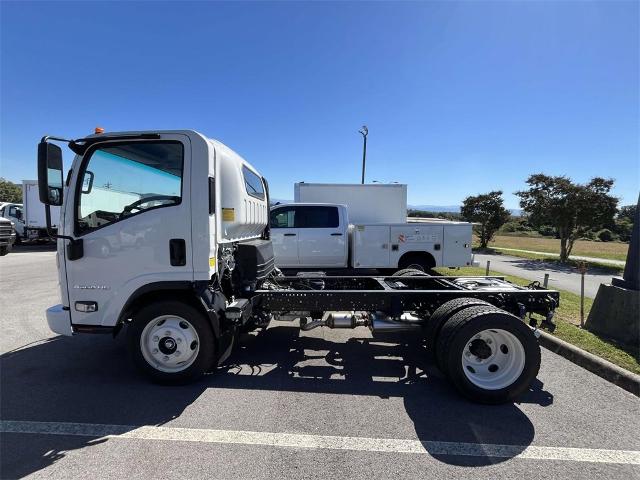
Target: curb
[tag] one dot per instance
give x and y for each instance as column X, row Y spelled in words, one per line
column 603, row 368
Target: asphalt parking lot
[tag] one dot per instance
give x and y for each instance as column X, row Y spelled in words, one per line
column 285, row 405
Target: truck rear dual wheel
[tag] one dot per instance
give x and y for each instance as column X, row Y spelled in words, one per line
column 488, row 354
column 171, row 342
column 441, row 315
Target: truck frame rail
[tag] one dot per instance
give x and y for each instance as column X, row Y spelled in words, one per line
column 395, row 295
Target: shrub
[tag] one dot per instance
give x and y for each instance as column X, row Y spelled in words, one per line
column 606, row 235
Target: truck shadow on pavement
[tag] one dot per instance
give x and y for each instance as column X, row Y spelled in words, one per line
column 89, row 379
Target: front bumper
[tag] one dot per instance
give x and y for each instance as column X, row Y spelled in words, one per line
column 10, row 240
column 59, row 320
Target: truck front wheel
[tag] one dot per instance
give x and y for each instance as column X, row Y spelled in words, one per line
column 171, row 342
column 489, row 355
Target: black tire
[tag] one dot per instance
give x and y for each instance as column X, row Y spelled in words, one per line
column 410, row 272
column 440, row 316
column 462, row 327
column 3, row 251
column 206, row 354
column 416, row 261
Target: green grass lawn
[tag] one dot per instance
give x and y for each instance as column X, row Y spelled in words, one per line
column 568, row 320
column 585, row 248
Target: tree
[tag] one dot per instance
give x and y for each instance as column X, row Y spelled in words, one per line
column 10, row 192
column 487, row 210
column 572, row 208
column 627, row 212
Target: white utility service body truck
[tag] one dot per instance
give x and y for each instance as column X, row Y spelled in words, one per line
column 320, row 235
column 201, row 269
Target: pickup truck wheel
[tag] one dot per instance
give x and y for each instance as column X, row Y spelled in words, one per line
column 489, row 355
column 440, row 316
column 172, row 342
column 4, row 251
column 410, row 272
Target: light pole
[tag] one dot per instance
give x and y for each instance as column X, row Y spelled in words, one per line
column 364, row 132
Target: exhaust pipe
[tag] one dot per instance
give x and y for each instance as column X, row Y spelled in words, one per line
column 336, row 320
column 381, row 323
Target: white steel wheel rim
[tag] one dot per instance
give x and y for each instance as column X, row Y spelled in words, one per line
column 493, row 359
column 169, row 343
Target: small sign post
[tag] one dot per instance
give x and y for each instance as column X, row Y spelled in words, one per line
column 583, row 269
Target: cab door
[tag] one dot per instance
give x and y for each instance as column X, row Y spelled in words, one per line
column 322, row 238
column 131, row 210
column 284, row 236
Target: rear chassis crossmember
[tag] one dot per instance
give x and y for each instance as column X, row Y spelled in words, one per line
column 397, row 295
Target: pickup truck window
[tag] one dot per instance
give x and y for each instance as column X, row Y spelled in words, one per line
column 317, row 217
column 283, row 217
column 128, row 178
column 253, row 183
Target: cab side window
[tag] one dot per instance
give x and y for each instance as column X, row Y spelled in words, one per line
column 283, row 217
column 318, row 217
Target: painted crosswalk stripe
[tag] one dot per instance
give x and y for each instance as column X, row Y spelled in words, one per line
column 294, row 440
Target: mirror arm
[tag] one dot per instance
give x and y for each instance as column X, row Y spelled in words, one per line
column 51, row 137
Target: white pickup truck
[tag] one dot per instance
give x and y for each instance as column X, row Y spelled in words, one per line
column 319, row 235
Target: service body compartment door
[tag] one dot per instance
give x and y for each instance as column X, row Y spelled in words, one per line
column 370, row 246
column 416, row 237
column 457, row 245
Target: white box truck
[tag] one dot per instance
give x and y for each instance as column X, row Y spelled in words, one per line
column 33, row 213
column 204, row 270
column 367, row 203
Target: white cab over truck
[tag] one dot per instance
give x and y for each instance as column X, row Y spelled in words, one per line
column 319, row 235
column 167, row 233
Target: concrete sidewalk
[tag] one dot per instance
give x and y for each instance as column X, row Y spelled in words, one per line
column 560, row 277
column 617, row 263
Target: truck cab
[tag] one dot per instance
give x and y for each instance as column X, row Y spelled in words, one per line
column 14, row 213
column 310, row 235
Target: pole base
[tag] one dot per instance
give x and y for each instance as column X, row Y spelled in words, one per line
column 616, row 314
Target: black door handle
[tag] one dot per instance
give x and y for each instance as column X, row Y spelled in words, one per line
column 336, row 234
column 289, row 234
column 177, row 252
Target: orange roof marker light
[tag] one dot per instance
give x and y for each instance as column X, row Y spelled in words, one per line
column 99, row 130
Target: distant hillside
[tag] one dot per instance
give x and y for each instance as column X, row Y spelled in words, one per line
column 425, row 208
column 436, row 208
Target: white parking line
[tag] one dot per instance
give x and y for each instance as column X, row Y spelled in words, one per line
column 290, row 440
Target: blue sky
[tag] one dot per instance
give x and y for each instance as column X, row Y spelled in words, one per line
column 460, row 98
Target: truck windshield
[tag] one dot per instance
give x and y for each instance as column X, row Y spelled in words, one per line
column 126, row 179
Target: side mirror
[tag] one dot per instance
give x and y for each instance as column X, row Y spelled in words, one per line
column 50, row 173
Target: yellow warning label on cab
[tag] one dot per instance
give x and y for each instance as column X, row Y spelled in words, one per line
column 228, row 215
column 212, row 262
